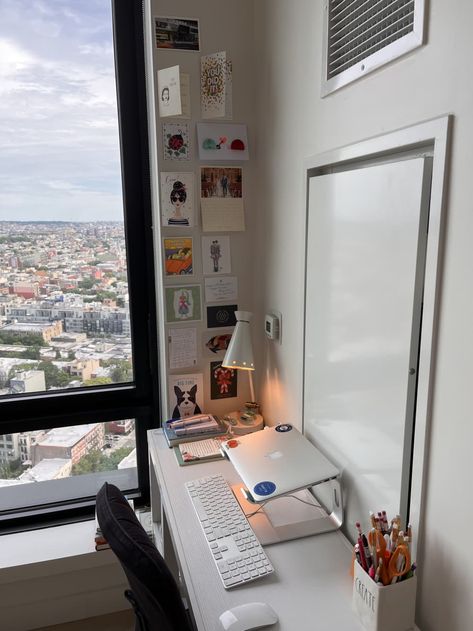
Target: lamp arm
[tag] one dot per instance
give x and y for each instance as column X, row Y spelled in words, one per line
column 252, row 390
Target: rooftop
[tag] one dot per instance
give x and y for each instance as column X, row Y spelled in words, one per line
column 66, row 436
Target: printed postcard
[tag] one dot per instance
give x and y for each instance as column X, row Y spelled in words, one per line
column 169, row 92
column 216, row 86
column 183, row 304
column 177, row 256
column 177, row 33
column 182, row 348
column 220, row 182
column 176, row 141
column 221, row 289
column 223, row 381
column 186, row 396
column 221, row 316
column 222, row 141
column 216, row 345
column 216, row 255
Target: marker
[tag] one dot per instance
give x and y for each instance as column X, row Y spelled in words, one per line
column 378, row 571
column 372, row 519
column 373, row 546
column 385, row 521
column 363, row 542
column 381, row 522
column 357, row 553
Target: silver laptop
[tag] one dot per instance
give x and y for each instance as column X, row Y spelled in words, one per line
column 277, row 460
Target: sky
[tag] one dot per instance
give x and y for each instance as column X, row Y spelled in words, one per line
column 59, row 148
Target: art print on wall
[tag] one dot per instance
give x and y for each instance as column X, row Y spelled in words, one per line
column 169, row 92
column 222, row 141
column 176, row 141
column 223, row 381
column 185, row 395
column 177, row 199
column 216, row 255
column 177, row 256
column 221, row 182
column 216, row 86
column 177, row 33
column 183, row 303
column 216, row 345
column 221, row 316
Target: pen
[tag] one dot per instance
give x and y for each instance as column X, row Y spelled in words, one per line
column 363, row 542
column 189, row 421
column 201, row 428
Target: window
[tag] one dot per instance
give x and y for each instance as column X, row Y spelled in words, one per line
column 78, row 378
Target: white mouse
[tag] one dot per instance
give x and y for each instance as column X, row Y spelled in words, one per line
column 248, row 616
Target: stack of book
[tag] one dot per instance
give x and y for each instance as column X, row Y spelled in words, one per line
column 193, row 428
column 144, row 516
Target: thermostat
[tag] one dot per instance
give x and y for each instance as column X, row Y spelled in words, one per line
column 272, row 326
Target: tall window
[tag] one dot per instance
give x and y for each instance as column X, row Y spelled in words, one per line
column 77, row 331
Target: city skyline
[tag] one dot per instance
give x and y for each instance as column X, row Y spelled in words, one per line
column 59, row 158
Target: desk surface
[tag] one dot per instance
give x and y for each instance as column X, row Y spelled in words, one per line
column 310, row 589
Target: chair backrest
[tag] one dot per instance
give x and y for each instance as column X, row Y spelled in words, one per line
column 157, row 601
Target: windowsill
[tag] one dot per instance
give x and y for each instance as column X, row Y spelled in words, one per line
column 69, row 544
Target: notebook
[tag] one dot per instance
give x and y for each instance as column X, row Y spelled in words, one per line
column 277, row 460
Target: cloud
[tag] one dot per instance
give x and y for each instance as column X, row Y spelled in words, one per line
column 59, row 143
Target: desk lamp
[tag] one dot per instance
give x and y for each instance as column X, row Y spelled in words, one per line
column 239, row 356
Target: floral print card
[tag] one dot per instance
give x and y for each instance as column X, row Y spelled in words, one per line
column 176, row 141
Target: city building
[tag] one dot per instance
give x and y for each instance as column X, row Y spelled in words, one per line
column 9, row 448
column 48, row 469
column 28, row 381
column 44, row 330
column 84, row 369
column 69, row 442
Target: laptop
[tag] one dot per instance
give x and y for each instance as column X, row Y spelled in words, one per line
column 277, row 460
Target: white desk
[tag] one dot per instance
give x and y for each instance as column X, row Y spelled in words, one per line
column 310, row 589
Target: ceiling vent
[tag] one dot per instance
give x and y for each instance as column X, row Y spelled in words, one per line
column 361, row 35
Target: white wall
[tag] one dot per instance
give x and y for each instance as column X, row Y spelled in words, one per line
column 294, row 123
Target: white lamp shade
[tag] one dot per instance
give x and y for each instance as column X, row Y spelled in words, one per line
column 240, row 350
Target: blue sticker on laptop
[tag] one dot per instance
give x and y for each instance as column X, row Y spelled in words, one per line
column 284, row 427
column 264, row 488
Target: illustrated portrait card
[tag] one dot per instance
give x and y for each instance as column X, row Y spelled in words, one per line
column 169, row 92
column 176, row 141
column 183, row 303
column 177, row 199
column 223, row 381
column 177, row 33
column 186, row 396
column 216, row 255
column 216, row 86
column 221, row 316
column 216, row 345
column 222, row 141
column 177, row 256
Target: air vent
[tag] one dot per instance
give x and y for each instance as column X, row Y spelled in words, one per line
column 361, row 35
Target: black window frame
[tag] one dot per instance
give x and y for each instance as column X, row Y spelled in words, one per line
column 139, row 399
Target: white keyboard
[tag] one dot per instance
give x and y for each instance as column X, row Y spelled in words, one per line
column 236, row 551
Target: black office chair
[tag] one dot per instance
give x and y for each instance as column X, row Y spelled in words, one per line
column 154, row 593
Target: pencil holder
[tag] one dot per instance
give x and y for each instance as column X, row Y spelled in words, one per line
column 384, row 608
